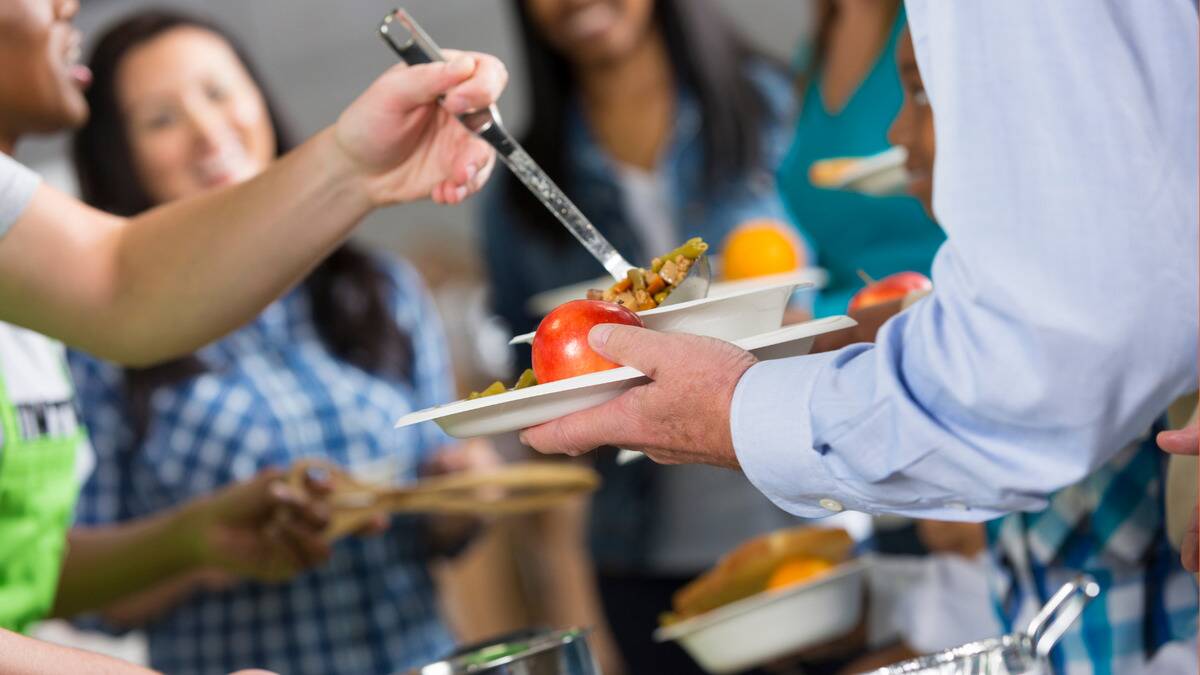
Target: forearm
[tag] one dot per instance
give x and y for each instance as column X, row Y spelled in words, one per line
column 20, row 655
column 107, row 564
column 166, row 282
column 143, row 607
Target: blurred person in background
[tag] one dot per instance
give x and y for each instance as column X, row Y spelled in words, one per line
column 661, row 123
column 851, row 93
column 115, row 286
column 1112, row 525
column 177, row 110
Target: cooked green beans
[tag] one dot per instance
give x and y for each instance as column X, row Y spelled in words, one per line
column 527, row 379
column 692, row 248
column 494, row 388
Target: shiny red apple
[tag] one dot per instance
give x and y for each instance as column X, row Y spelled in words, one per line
column 889, row 288
column 560, row 346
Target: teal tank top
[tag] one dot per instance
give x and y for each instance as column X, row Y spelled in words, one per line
column 849, row 231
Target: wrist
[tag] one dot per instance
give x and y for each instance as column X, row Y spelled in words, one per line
column 349, row 177
column 188, row 534
column 725, row 443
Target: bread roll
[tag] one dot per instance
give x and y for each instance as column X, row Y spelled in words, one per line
column 745, row 570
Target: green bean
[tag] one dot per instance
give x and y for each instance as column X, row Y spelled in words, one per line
column 692, row 248
column 494, row 388
column 527, row 379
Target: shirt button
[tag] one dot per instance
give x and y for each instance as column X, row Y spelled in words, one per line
column 958, row 506
column 831, row 505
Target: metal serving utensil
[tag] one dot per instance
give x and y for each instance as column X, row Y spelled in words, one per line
column 414, row 46
column 1021, row 653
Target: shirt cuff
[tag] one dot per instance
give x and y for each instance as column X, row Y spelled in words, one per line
column 771, row 424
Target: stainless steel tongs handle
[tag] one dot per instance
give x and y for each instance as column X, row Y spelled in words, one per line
column 1064, row 607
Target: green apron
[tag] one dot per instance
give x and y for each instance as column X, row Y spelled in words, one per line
column 37, row 495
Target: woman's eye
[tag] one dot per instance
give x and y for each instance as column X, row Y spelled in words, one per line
column 216, row 93
column 159, row 121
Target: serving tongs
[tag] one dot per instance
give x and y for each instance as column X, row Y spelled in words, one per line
column 414, row 46
column 507, row 490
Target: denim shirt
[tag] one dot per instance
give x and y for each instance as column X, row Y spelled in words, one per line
column 636, row 525
column 521, row 265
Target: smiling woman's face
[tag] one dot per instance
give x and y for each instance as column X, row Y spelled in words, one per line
column 592, row 32
column 194, row 117
column 41, row 82
column 913, row 127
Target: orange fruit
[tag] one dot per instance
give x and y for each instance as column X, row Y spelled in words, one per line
column 760, row 247
column 797, row 571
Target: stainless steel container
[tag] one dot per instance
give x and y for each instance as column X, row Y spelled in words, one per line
column 1021, row 653
column 563, row 652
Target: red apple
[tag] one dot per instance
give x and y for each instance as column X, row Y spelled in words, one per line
column 560, row 346
column 889, row 288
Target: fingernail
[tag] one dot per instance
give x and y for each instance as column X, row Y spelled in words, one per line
column 461, row 64
column 1168, row 436
column 472, row 172
column 460, row 193
column 280, row 490
column 316, row 474
column 598, row 336
column 523, row 438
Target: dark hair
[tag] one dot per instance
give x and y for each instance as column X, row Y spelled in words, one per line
column 709, row 57
column 348, row 291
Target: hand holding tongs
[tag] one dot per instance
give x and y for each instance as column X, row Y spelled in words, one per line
column 415, row 47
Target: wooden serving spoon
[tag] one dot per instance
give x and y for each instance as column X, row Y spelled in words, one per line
column 507, row 490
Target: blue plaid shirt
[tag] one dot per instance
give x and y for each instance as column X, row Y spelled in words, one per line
column 1111, row 526
column 274, row 394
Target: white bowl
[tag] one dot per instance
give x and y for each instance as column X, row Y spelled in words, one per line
column 543, row 303
column 773, row 624
column 529, row 407
column 752, row 309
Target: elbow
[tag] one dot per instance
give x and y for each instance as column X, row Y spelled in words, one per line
column 130, row 342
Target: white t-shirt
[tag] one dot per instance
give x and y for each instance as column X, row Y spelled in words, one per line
column 33, row 370
column 648, row 204
column 32, row 366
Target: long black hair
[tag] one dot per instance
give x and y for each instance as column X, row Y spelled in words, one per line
column 348, row 292
column 709, row 57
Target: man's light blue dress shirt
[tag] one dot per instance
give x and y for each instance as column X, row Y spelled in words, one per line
column 1065, row 316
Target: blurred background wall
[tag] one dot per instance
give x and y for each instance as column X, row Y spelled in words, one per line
column 316, row 55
